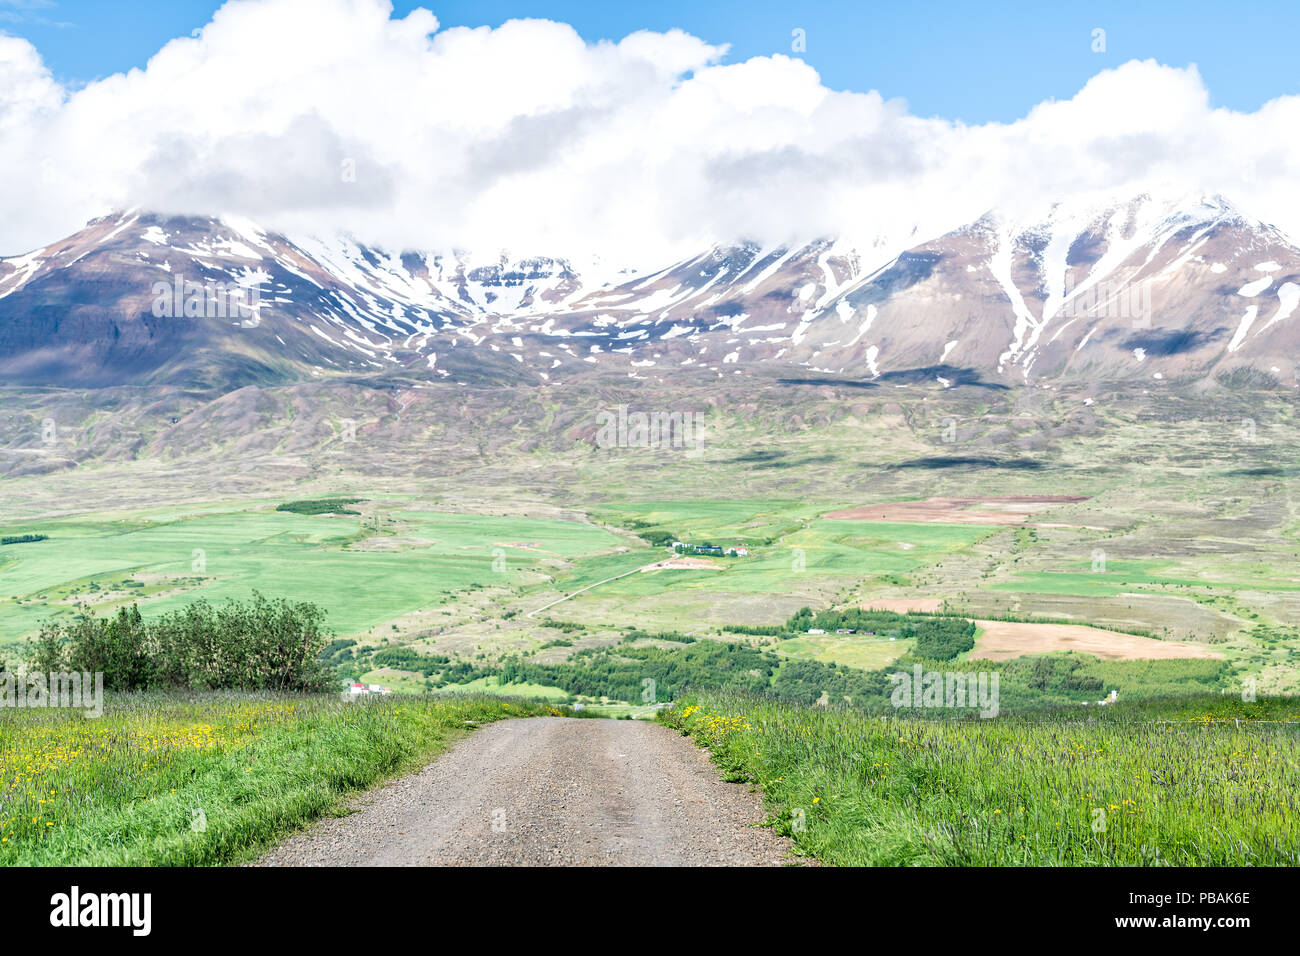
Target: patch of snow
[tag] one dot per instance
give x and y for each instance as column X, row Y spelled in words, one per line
column 1243, row 328
column 1288, row 295
column 866, row 324
column 872, row 352
column 1252, row 289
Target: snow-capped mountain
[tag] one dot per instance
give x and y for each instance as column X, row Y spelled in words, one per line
column 1106, row 288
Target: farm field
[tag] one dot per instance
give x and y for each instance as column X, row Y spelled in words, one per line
column 794, row 558
column 472, row 583
column 1004, row 640
column 849, row 650
column 363, row 574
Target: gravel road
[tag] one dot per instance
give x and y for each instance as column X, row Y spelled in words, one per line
column 550, row 791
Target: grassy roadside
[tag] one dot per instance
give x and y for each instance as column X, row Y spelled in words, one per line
column 1210, row 782
column 208, row 778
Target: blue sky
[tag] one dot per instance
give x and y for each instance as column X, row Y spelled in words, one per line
column 963, row 61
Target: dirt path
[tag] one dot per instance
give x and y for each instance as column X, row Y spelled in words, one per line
column 580, row 590
column 545, row 791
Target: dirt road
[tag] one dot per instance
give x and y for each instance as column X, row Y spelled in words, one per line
column 548, row 791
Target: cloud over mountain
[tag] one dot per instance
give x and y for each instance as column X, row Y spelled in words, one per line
column 327, row 115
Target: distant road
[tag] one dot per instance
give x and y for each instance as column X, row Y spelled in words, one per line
column 545, row 791
column 587, row 588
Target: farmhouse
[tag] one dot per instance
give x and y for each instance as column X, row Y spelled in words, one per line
column 716, row 550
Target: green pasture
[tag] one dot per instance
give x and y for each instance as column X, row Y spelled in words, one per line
column 359, row 577
column 851, row 650
column 1127, row 575
column 815, row 549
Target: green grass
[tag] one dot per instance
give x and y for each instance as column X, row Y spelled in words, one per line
column 868, row 653
column 206, row 779
column 493, row 685
column 808, row 549
column 1122, row 576
column 1205, row 782
column 331, row 560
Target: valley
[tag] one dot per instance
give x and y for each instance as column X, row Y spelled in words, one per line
column 1142, row 514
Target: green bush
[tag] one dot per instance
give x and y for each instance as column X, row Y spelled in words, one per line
column 23, row 538
column 320, row 506
column 260, row 644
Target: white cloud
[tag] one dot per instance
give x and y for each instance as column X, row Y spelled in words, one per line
column 527, row 138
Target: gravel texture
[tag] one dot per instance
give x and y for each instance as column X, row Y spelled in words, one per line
column 551, row 791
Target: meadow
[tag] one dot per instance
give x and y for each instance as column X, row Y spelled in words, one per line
column 1208, row 781
column 199, row 779
column 363, row 569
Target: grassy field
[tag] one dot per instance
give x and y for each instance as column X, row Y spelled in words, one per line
column 206, row 779
column 850, row 650
column 492, row 685
column 364, row 570
column 1205, row 782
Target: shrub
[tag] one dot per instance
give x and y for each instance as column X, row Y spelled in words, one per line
column 23, row 538
column 261, row 644
column 320, row 506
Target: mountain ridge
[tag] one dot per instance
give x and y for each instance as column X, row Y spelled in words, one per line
column 1178, row 287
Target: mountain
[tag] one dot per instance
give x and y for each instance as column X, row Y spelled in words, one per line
column 1174, row 287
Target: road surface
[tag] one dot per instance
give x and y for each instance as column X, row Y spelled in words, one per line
column 551, row 791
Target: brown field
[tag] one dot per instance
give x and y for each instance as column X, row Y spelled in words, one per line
column 1179, row 618
column 1003, row 640
column 1011, row 509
